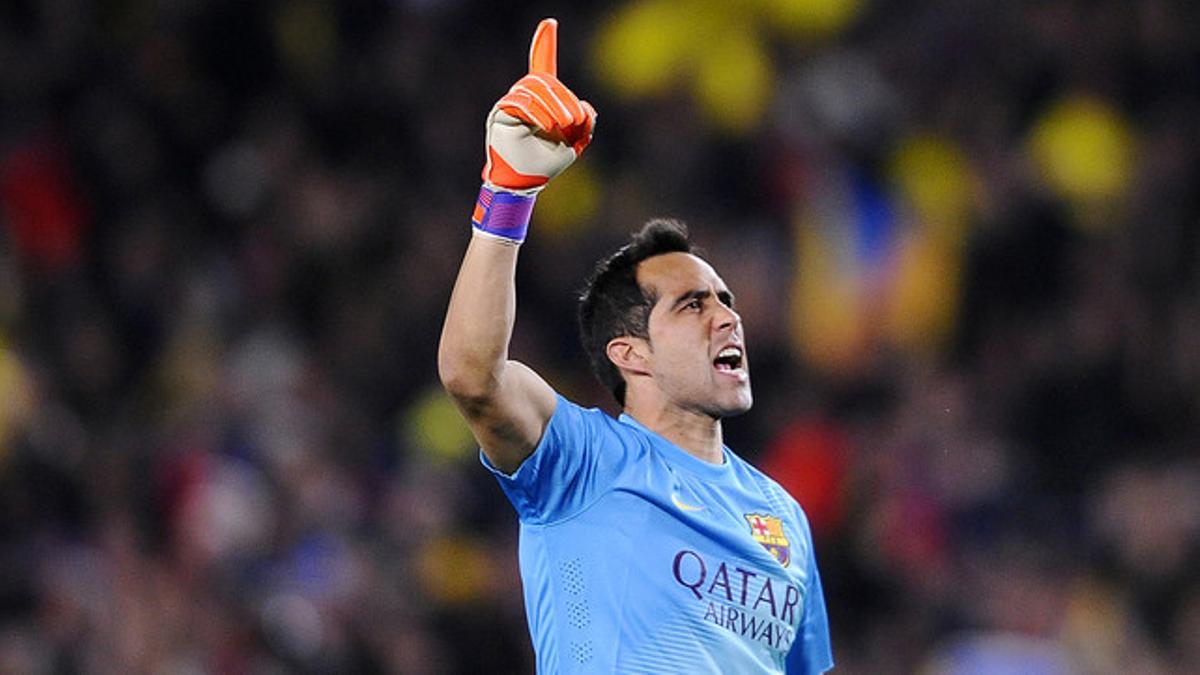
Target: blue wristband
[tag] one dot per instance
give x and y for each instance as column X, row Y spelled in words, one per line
column 503, row 214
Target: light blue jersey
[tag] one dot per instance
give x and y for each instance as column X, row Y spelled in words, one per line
column 637, row 557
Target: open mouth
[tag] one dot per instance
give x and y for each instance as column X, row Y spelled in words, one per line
column 729, row 360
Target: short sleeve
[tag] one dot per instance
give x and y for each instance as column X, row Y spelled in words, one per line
column 580, row 455
column 811, row 652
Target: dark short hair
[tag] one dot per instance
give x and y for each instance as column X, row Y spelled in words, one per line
column 613, row 304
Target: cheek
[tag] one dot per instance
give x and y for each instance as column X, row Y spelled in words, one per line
column 687, row 362
column 671, row 357
column 678, row 352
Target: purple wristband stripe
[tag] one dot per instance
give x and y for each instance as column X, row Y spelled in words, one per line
column 503, row 214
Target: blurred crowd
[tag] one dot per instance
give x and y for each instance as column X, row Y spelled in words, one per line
column 964, row 236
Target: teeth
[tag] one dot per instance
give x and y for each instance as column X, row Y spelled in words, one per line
column 729, row 358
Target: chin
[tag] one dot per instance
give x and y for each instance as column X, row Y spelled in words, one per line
column 745, row 407
column 742, row 404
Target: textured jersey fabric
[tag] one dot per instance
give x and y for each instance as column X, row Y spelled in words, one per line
column 637, row 557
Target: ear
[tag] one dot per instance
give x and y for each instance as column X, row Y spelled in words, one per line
column 629, row 354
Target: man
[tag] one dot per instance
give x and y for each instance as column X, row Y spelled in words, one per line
column 646, row 544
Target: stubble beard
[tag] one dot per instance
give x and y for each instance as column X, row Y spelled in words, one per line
column 742, row 401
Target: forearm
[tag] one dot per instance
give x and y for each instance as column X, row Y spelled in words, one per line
column 533, row 133
column 479, row 321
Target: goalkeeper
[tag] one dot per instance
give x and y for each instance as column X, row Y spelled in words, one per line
column 646, row 545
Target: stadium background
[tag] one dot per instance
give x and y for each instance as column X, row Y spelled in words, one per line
column 963, row 235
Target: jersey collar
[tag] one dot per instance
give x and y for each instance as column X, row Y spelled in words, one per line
column 681, row 458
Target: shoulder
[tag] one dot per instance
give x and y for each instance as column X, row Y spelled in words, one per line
column 570, row 412
column 769, row 487
column 575, row 422
column 753, row 473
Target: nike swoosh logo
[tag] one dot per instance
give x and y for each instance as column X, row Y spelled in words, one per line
column 683, row 506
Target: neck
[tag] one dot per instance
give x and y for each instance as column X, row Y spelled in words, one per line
column 696, row 433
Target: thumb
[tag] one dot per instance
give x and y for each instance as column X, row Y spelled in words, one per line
column 543, row 51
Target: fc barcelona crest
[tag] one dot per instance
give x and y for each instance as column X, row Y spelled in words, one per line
column 768, row 531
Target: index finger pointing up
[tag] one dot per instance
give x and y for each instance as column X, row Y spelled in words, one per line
column 543, row 51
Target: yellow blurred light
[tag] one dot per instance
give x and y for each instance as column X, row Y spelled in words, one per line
column 16, row 398
column 643, row 47
column 434, row 425
column 939, row 184
column 454, row 569
column 1096, row 623
column 938, row 181
column 569, row 202
column 306, row 36
column 828, row 325
column 647, row 46
column 1084, row 149
column 190, row 371
column 924, row 303
column 803, row 18
column 733, row 79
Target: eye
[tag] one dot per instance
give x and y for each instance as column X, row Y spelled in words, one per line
column 694, row 304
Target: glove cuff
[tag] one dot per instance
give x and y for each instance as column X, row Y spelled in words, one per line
column 502, row 215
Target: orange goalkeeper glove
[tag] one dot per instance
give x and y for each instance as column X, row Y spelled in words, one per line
column 534, row 132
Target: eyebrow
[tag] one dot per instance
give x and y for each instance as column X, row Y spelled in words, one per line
column 725, row 297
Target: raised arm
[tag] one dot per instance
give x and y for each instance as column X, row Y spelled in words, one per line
column 534, row 132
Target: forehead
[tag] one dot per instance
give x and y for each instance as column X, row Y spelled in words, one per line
column 671, row 274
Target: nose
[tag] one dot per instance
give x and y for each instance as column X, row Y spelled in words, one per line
column 726, row 318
